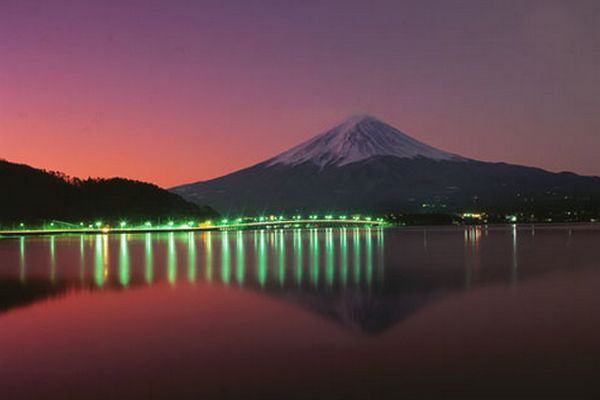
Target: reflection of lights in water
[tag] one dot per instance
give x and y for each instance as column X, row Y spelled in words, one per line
column 124, row 273
column 329, row 256
column 171, row 259
column 99, row 262
column 330, row 262
column 81, row 260
column 208, row 256
column 22, row 267
column 369, row 257
column 52, row 260
column 515, row 257
column 261, row 262
column 105, row 259
column 380, row 255
column 148, row 252
column 473, row 235
column 356, row 255
column 240, row 264
column 225, row 258
column 191, row 257
column 281, row 258
column 298, row 255
column 314, row 257
column 344, row 257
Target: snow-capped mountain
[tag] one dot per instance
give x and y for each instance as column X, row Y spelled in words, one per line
column 366, row 165
column 358, row 138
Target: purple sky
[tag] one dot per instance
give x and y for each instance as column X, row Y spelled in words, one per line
column 177, row 91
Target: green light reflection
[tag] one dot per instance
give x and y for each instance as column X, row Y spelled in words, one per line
column 191, row 257
column 298, row 255
column 208, row 256
column 124, row 270
column 380, row 255
column 281, row 258
column 240, row 263
column 344, row 257
column 52, row 260
column 171, row 259
column 369, row 257
column 314, row 256
column 329, row 257
column 22, row 266
column 81, row 260
column 261, row 262
column 356, row 255
column 225, row 258
column 149, row 259
column 99, row 262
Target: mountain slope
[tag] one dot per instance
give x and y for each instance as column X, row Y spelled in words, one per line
column 30, row 194
column 365, row 165
column 356, row 139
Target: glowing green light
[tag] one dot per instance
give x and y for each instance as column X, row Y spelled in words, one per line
column 123, row 224
column 329, row 256
column 239, row 259
column 21, row 224
column 148, row 223
column 281, row 258
column 98, row 224
column 224, row 221
column 343, row 217
column 344, row 257
column 356, row 255
column 208, row 254
column 149, row 271
column 369, row 258
column 298, row 255
column 190, row 223
column 225, row 259
column 261, row 254
column 22, row 267
column 191, row 257
column 124, row 269
column 171, row 259
column 329, row 217
column 171, row 223
column 368, row 218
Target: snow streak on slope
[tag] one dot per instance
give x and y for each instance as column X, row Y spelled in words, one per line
column 357, row 139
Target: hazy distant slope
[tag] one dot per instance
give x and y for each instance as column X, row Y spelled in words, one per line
column 32, row 194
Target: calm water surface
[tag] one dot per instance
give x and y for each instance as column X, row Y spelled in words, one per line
column 504, row 312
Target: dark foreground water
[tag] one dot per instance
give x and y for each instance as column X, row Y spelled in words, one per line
column 335, row 313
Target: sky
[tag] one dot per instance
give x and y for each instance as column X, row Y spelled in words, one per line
column 178, row 91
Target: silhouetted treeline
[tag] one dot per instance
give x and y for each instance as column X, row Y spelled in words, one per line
column 32, row 195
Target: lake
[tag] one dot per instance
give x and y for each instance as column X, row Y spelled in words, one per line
column 452, row 312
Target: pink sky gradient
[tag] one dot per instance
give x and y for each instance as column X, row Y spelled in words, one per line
column 180, row 91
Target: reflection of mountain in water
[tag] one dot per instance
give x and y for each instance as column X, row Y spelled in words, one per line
column 366, row 280
column 363, row 311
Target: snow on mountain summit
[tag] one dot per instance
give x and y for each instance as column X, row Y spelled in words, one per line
column 356, row 139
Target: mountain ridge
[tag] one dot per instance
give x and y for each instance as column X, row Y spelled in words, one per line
column 32, row 195
column 332, row 172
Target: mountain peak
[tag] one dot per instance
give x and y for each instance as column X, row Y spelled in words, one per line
column 358, row 138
